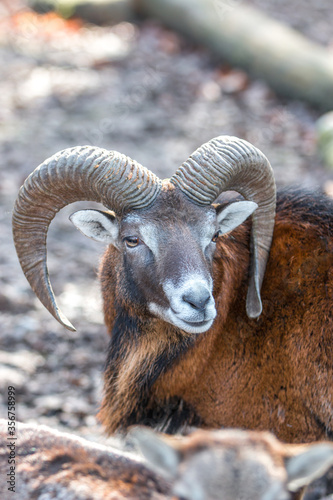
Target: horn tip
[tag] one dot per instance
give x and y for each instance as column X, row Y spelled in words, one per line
column 65, row 322
column 69, row 327
column 253, row 313
column 253, row 304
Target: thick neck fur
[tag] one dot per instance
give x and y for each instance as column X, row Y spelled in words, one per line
column 140, row 351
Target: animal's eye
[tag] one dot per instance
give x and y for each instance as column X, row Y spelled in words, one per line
column 216, row 235
column 131, row 241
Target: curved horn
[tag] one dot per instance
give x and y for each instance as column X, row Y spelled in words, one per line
column 74, row 174
column 228, row 163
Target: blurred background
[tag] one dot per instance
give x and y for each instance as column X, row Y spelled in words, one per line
column 153, row 80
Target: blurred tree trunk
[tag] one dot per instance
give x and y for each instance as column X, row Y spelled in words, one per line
column 246, row 38
column 324, row 127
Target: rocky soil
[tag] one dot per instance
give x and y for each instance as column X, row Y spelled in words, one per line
column 144, row 91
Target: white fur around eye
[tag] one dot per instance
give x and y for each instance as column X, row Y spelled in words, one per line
column 96, row 225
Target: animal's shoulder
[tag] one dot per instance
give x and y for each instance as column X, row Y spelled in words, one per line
column 305, row 207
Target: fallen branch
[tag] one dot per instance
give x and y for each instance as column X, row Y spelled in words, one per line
column 236, row 33
column 324, row 128
column 246, row 38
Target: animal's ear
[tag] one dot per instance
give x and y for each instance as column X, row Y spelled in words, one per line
column 232, row 215
column 308, row 465
column 159, row 454
column 98, row 225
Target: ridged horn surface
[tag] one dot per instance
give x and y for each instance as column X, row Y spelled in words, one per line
column 228, row 163
column 74, row 174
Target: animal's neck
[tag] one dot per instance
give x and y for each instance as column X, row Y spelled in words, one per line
column 140, row 351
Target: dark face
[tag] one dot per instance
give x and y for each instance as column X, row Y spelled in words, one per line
column 170, row 253
column 167, row 252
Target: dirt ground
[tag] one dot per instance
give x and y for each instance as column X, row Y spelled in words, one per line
column 148, row 93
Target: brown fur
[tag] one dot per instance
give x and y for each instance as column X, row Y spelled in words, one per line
column 221, row 465
column 274, row 373
column 50, row 464
column 233, row 464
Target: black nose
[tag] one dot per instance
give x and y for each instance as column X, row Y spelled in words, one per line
column 198, row 298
